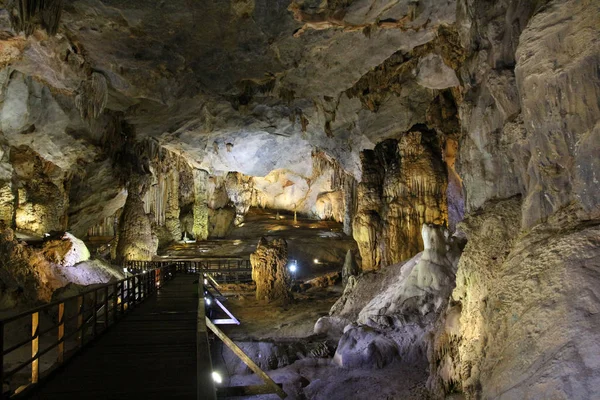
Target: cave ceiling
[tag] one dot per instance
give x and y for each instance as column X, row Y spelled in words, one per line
column 240, row 85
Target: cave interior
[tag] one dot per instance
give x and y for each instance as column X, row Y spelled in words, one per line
column 412, row 185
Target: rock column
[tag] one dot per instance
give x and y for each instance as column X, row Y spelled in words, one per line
column 136, row 240
column 200, row 205
column 269, row 270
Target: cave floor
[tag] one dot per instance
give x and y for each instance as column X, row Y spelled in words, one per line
column 261, row 322
column 307, row 240
column 264, row 321
column 311, row 378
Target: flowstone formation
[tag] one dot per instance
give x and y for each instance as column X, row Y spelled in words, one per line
column 269, row 271
column 403, row 187
column 392, row 312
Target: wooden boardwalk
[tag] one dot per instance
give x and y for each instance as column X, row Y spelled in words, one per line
column 150, row 354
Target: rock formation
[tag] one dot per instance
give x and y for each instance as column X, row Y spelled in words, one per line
column 404, row 186
column 478, row 116
column 136, row 240
column 350, row 268
column 269, row 271
column 29, row 275
column 392, row 312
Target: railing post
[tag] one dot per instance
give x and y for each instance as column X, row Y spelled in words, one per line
column 61, row 332
column 2, row 360
column 142, row 287
column 80, row 328
column 115, row 302
column 123, row 297
column 95, row 316
column 106, row 307
column 35, row 346
column 131, row 295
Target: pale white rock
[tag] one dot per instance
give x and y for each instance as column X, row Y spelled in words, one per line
column 433, row 73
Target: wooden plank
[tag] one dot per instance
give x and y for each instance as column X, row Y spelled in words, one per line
column 247, row 360
column 61, row 332
column 35, row 342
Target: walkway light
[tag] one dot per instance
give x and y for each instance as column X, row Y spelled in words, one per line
column 217, row 377
column 316, row 260
column 293, row 268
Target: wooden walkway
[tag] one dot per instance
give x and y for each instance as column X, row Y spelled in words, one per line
column 151, row 354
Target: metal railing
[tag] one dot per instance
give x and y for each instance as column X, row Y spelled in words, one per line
column 62, row 328
column 225, row 270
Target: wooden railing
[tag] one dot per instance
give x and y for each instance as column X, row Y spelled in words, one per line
column 61, row 328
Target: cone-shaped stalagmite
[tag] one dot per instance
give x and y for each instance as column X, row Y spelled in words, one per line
column 136, row 240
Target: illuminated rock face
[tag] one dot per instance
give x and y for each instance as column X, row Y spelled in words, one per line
column 522, row 319
column 521, row 311
column 41, row 198
column 67, row 251
column 269, row 271
column 136, row 240
column 404, row 186
column 30, row 275
column 402, row 303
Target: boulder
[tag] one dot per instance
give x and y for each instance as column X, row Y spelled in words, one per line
column 364, row 347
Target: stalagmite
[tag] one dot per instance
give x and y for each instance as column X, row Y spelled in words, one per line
column 350, row 268
column 404, row 186
column 269, row 271
column 135, row 241
column 200, row 229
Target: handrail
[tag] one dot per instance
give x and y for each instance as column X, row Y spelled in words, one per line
column 229, row 269
column 106, row 305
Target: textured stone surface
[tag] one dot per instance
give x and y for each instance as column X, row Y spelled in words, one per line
column 222, row 106
column 404, row 186
column 556, row 61
column 67, row 251
column 135, row 240
column 404, row 301
column 361, row 347
column 522, row 322
column 269, row 271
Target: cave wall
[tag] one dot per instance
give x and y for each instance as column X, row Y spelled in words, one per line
column 521, row 322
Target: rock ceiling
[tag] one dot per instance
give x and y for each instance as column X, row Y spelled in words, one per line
column 272, row 79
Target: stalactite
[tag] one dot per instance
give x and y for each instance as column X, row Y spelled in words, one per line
column 92, row 97
column 340, row 181
column 26, row 15
column 106, row 227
